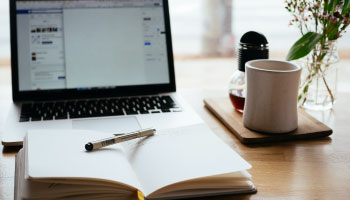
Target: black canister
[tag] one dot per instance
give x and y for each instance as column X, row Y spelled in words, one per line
column 252, row 46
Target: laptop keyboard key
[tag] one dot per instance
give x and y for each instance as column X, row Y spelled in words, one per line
column 48, row 118
column 131, row 112
column 154, row 111
column 61, row 117
column 144, row 110
column 24, row 119
column 25, row 112
column 36, row 119
column 165, row 110
column 117, row 113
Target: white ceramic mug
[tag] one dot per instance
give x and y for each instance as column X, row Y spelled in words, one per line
column 272, row 96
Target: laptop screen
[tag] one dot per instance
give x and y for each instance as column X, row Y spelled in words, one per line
column 90, row 44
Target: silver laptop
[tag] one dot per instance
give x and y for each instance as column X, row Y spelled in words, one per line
column 102, row 65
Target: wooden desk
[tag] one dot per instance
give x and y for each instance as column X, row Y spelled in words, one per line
column 315, row 169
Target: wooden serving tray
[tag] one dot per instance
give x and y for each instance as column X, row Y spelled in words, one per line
column 308, row 126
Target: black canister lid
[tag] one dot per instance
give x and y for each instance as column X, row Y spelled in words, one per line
column 253, row 45
column 253, row 38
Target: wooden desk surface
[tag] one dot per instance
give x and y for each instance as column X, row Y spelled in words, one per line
column 315, row 169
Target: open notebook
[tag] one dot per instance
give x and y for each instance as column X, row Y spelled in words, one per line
column 174, row 163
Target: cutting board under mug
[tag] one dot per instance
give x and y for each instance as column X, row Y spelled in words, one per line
column 308, row 126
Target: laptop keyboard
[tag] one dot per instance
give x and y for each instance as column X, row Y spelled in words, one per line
column 97, row 108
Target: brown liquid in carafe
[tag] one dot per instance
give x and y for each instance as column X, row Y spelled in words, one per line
column 237, row 99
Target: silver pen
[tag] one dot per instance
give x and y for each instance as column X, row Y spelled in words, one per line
column 119, row 138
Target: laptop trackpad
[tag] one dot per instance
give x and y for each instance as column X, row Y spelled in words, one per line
column 109, row 125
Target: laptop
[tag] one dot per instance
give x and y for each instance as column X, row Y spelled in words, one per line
column 103, row 65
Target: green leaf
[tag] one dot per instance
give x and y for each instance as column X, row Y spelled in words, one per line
column 303, row 46
column 331, row 6
column 306, row 88
column 332, row 31
column 300, row 96
column 325, row 5
column 346, row 6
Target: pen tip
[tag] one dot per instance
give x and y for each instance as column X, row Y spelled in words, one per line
column 89, row 146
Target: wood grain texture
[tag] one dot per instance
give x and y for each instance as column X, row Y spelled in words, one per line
column 308, row 126
column 304, row 169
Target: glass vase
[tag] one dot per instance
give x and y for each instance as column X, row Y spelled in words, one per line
column 318, row 86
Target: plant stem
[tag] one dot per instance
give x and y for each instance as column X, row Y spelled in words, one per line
column 315, row 69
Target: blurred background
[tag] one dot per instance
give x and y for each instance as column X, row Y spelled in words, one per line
column 212, row 28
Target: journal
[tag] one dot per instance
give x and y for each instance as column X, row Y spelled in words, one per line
column 174, row 163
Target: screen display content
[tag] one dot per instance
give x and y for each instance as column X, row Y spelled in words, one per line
column 90, row 44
